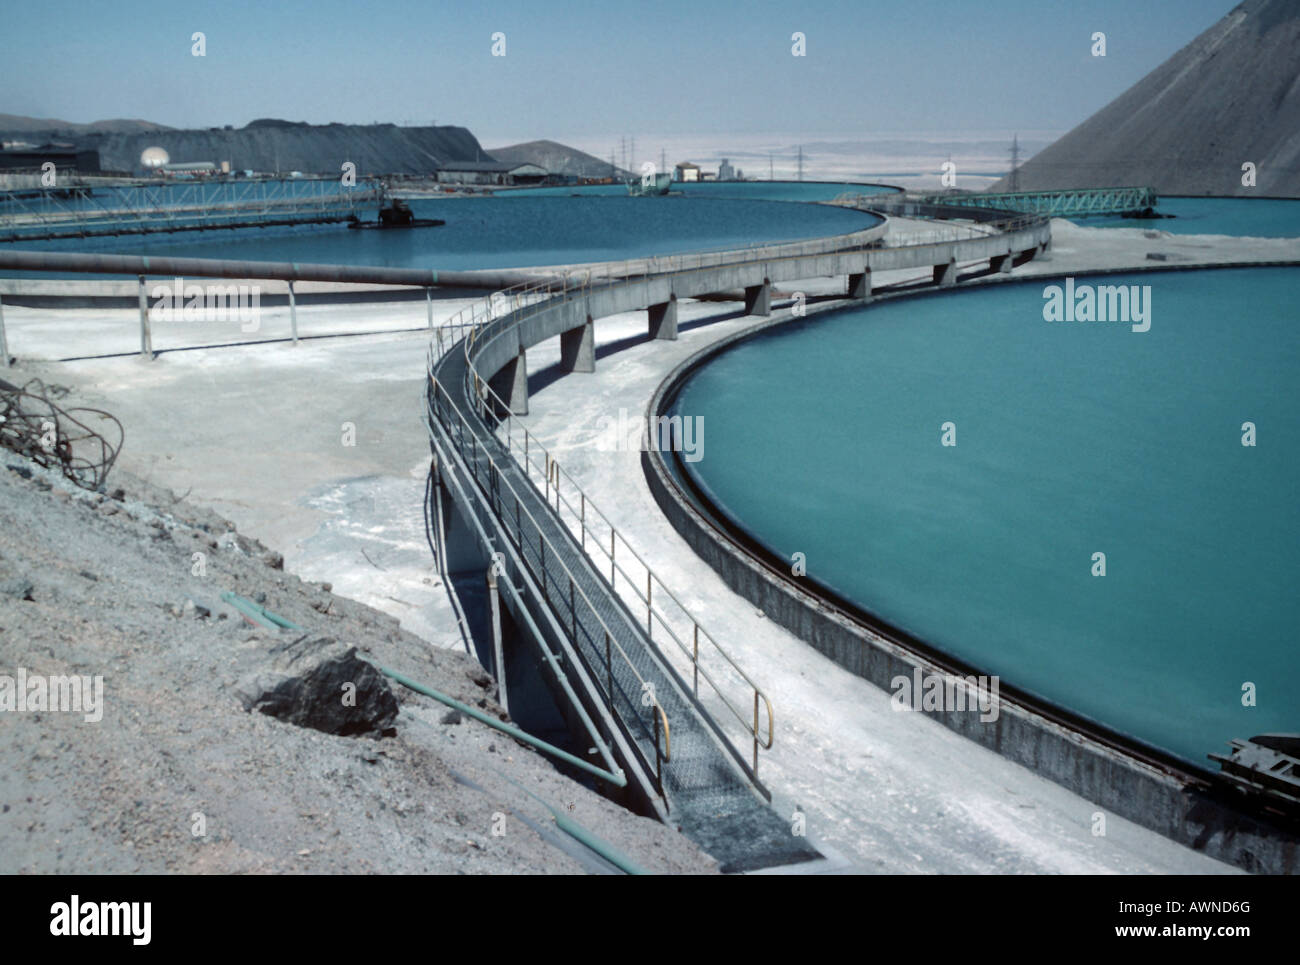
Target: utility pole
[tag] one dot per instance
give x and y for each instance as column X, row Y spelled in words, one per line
column 1014, row 181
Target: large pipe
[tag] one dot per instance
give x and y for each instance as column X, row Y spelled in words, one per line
column 618, row 780
column 261, row 615
column 576, row 831
column 281, row 270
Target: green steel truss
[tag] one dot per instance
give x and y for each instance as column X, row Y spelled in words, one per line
column 1071, row 203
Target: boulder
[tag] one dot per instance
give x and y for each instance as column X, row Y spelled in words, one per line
column 321, row 683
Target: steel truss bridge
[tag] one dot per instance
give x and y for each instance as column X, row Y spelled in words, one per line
column 1071, row 203
column 81, row 211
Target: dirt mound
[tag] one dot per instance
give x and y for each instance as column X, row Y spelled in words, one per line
column 1227, row 98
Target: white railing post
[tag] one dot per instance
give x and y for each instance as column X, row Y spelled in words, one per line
column 4, row 344
column 293, row 314
column 146, row 336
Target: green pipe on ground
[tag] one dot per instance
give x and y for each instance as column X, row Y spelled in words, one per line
column 618, row 780
column 607, row 851
column 580, row 834
column 258, row 613
column 264, row 617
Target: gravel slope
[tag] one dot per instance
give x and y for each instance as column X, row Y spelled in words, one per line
column 104, row 585
column 1228, row 97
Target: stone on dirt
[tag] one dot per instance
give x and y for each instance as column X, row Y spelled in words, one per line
column 321, row 683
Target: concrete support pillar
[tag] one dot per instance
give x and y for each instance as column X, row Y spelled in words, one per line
column 945, row 275
column 511, row 384
column 860, row 285
column 663, row 320
column 578, row 348
column 1000, row 263
column 758, row 299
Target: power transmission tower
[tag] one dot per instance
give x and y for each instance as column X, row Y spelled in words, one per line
column 1014, row 181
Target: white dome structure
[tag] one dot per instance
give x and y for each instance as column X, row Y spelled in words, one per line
column 154, row 157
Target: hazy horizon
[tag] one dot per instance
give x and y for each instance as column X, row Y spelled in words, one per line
column 584, row 71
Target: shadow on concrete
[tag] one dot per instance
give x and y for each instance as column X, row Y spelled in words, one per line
column 543, row 377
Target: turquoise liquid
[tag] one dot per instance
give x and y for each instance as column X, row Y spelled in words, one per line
column 1072, row 438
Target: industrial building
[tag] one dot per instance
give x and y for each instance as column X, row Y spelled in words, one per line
column 195, row 169
column 686, row 171
column 65, row 157
column 491, row 173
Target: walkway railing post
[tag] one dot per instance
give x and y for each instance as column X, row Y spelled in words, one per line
column 498, row 648
column 293, row 314
column 609, row 670
column 695, row 659
column 146, row 336
column 4, row 345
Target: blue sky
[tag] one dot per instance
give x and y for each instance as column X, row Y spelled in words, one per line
column 592, row 68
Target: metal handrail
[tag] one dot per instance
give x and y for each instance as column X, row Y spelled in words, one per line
column 475, row 318
column 611, row 644
column 552, row 472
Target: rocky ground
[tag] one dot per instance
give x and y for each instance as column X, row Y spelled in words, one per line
column 178, row 776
